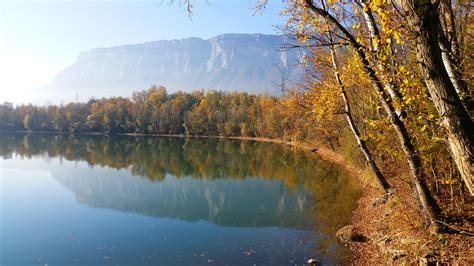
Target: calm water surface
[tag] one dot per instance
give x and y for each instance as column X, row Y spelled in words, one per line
column 96, row 200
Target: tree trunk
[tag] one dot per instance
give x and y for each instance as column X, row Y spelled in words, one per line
column 350, row 120
column 424, row 21
column 454, row 73
column 374, row 37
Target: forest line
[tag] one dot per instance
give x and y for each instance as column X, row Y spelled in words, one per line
column 154, row 111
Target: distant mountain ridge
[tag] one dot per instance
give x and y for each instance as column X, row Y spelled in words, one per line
column 228, row 62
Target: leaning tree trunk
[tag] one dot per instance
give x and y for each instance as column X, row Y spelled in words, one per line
column 374, row 36
column 424, row 21
column 428, row 205
column 454, row 73
column 350, row 120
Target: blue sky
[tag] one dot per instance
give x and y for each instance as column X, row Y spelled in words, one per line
column 40, row 38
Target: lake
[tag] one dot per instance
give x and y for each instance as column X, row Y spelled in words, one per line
column 98, row 200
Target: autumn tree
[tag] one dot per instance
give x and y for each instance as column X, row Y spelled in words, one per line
column 310, row 19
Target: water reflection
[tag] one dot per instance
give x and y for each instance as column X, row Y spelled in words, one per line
column 250, row 202
column 225, row 182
